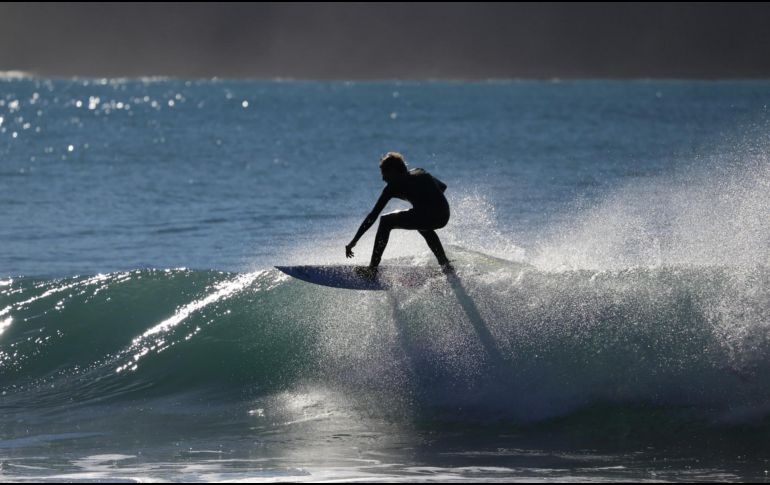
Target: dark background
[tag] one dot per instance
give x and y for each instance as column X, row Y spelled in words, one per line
column 400, row 40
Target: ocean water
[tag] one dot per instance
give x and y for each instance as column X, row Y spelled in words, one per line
column 609, row 319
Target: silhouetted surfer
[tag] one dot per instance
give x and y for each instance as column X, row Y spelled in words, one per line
column 430, row 209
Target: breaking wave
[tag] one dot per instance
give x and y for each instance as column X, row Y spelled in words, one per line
column 498, row 339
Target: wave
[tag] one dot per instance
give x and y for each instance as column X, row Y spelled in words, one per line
column 497, row 340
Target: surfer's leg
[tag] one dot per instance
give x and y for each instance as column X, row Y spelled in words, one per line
column 434, row 243
column 381, row 239
column 388, row 222
column 380, row 242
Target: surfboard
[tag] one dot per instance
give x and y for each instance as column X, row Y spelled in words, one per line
column 350, row 277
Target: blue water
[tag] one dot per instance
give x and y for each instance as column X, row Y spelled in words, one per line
column 609, row 318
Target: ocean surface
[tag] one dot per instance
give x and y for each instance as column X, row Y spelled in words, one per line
column 609, row 319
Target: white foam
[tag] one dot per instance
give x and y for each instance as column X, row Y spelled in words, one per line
column 715, row 217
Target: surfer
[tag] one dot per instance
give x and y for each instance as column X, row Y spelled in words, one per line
column 430, row 209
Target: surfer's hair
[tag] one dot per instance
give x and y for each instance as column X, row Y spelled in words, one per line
column 393, row 162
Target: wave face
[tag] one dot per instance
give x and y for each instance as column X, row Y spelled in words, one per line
column 497, row 340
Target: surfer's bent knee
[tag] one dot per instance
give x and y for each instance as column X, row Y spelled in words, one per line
column 389, row 219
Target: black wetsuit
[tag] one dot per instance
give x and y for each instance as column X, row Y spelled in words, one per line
column 430, row 211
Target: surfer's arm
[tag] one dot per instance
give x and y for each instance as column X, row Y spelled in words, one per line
column 370, row 219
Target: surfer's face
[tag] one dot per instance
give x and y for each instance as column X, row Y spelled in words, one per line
column 387, row 176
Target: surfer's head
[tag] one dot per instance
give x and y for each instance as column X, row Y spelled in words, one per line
column 392, row 165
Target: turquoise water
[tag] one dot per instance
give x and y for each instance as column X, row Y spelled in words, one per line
column 609, row 318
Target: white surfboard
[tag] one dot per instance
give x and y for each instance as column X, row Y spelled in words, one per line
column 351, row 277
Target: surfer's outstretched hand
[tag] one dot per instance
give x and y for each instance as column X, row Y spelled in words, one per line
column 349, row 250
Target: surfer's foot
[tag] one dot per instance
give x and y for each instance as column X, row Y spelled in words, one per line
column 447, row 268
column 366, row 271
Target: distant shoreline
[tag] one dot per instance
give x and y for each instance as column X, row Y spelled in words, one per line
column 18, row 75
